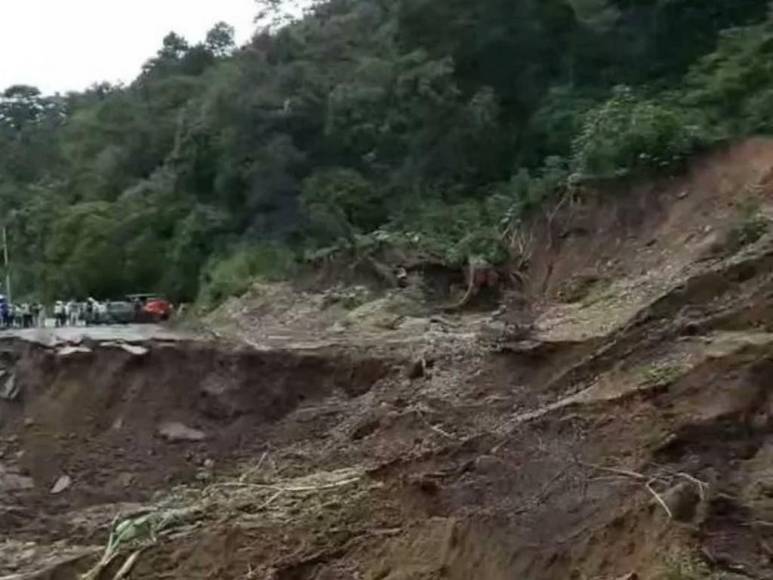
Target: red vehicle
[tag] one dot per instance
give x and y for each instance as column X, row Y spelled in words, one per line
column 151, row 307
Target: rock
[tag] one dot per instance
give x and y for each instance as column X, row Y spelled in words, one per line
column 72, row 350
column 682, row 194
column 501, row 311
column 203, row 475
column 134, row 349
column 209, row 463
column 421, row 368
column 173, row 431
column 64, row 482
column 29, row 422
column 495, row 328
column 338, row 328
column 390, row 418
column 10, row 481
column 9, row 389
column 365, row 427
column 417, row 369
column 487, row 464
column 125, row 480
column 425, row 482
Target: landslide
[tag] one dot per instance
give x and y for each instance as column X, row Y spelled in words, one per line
column 612, row 421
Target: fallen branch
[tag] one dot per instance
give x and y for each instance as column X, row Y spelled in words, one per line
column 649, row 481
column 250, row 472
column 436, row 429
column 702, row 485
column 659, row 499
column 270, row 500
column 126, row 569
column 616, row 471
column 103, row 563
column 279, row 488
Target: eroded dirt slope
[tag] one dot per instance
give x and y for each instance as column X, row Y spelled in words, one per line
column 613, row 421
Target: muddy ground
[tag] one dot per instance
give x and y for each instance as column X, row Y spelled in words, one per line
column 612, row 421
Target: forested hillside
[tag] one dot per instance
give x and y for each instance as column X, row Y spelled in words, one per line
column 429, row 122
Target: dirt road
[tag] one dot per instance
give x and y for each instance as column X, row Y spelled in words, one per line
column 52, row 336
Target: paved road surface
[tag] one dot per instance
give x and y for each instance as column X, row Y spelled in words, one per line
column 51, row 336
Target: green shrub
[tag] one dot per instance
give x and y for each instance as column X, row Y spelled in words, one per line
column 628, row 133
column 529, row 190
column 452, row 232
column 340, row 202
column 660, row 375
column 233, row 275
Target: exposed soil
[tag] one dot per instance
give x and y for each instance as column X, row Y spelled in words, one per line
column 625, row 432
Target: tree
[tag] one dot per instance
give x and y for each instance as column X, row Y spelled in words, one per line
column 220, row 40
column 173, row 47
column 23, row 105
column 167, row 61
column 423, row 122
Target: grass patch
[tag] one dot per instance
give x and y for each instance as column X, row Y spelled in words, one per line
column 660, row 375
column 681, row 565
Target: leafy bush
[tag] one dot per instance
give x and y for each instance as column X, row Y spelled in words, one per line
column 454, row 233
column 234, row 274
column 529, row 190
column 339, row 202
column 628, row 133
column 558, row 120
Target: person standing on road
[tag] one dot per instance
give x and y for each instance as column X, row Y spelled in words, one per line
column 88, row 312
column 71, row 312
column 59, row 313
column 25, row 313
column 37, row 314
column 137, row 309
column 5, row 314
column 102, row 313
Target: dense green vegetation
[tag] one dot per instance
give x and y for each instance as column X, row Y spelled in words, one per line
column 435, row 123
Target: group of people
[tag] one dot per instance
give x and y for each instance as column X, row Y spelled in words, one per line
column 73, row 313
column 65, row 313
column 26, row 315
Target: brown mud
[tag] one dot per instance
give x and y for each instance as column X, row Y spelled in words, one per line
column 627, row 432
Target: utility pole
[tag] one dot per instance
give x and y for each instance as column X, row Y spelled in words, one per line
column 7, row 265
